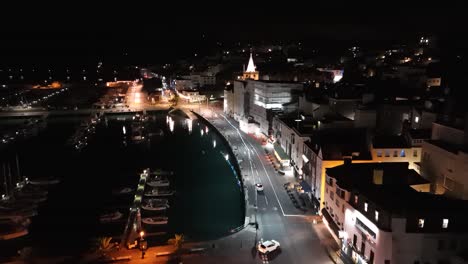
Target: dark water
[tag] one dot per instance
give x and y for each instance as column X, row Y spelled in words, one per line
column 208, row 200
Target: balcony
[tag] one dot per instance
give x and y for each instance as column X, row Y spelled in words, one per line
column 331, row 223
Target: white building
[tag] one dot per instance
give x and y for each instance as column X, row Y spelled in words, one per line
column 395, row 149
column 445, row 160
column 191, row 96
column 379, row 214
column 254, row 102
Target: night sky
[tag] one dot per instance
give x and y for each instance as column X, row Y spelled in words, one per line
column 160, row 33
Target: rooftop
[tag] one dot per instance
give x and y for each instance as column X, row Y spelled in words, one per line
column 389, row 142
column 336, row 143
column 420, row 133
column 395, row 194
column 445, row 145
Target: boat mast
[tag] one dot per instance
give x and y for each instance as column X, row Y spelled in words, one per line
column 20, row 177
column 5, row 180
column 9, row 181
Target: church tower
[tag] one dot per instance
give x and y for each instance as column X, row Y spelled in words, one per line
column 251, row 72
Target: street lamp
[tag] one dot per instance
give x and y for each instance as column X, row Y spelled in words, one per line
column 143, row 244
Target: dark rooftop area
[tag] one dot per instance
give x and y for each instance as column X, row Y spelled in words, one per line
column 420, row 133
column 389, row 142
column 337, row 143
column 395, row 194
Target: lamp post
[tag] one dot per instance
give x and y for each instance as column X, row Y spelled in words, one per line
column 143, row 244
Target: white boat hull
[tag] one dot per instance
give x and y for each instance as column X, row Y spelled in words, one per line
column 151, row 221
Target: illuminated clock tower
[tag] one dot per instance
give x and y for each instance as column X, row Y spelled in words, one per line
column 251, row 72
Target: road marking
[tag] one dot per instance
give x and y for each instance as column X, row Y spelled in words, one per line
column 274, row 191
column 268, row 176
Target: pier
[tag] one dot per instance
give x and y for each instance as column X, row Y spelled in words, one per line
column 133, row 226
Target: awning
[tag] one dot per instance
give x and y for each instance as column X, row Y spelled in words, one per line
column 280, row 154
column 305, row 186
column 331, row 223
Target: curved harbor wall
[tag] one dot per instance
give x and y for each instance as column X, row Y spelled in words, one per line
column 235, row 163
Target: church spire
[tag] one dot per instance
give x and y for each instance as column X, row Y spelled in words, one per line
column 251, row 65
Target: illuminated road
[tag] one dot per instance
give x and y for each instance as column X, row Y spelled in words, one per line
column 277, row 217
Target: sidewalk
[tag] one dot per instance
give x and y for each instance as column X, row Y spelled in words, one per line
column 328, row 242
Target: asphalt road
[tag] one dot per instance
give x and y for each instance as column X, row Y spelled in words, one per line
column 276, row 215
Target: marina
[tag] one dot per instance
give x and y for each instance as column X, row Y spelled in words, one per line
column 110, row 188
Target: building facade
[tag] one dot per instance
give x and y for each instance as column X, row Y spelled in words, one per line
column 379, row 214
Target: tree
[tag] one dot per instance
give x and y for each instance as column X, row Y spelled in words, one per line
column 104, row 244
column 177, row 241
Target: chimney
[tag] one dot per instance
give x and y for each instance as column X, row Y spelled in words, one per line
column 378, row 177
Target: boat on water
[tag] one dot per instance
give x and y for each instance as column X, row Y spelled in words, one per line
column 159, row 183
column 110, row 217
column 156, row 192
column 159, row 173
column 155, row 204
column 159, row 220
column 44, row 181
column 125, row 190
column 13, row 233
column 158, row 132
column 14, row 228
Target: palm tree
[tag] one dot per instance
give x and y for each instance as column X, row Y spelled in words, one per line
column 177, row 241
column 103, row 244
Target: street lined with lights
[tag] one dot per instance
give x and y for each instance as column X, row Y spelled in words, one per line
column 277, row 218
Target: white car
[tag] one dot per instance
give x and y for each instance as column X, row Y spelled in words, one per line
column 259, row 187
column 268, row 246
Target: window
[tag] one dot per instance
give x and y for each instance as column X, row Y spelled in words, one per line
column 340, row 193
column 365, row 206
column 332, row 196
column 402, row 153
column 342, row 208
column 440, row 244
column 415, row 153
column 449, row 183
column 337, row 203
column 356, row 199
column 445, row 222
column 387, row 153
column 416, row 119
column 379, row 153
column 421, row 223
column 376, row 215
column 395, row 153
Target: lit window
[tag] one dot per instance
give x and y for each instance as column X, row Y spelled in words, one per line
column 445, row 222
column 379, row 153
column 416, row 119
column 421, row 223
column 365, row 206
column 376, row 215
column 356, row 199
column 402, row 153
